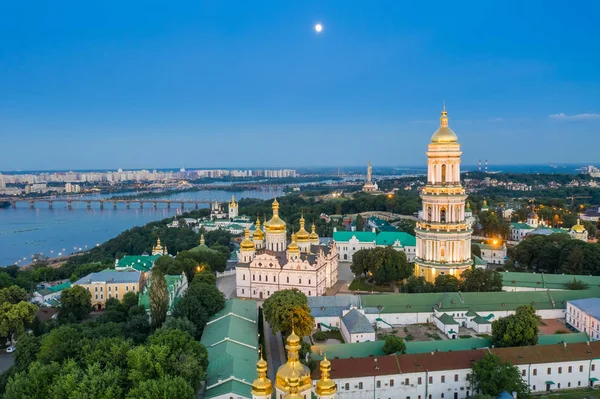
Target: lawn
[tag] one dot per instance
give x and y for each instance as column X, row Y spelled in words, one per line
column 334, row 335
column 360, row 284
column 571, row 394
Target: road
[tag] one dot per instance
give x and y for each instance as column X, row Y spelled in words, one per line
column 6, row 361
column 275, row 352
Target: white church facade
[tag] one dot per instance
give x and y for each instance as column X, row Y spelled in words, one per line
column 267, row 263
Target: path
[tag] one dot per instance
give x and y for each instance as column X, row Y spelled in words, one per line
column 275, row 351
column 226, row 285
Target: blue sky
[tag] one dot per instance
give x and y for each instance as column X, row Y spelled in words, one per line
column 107, row 84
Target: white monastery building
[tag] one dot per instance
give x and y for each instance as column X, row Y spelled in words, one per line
column 267, row 263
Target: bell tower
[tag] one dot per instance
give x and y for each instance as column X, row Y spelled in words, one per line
column 443, row 235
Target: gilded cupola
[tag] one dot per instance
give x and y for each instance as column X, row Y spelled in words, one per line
column 262, row 386
column 444, row 135
column 314, row 237
column 247, row 244
column 325, row 386
column 302, row 235
column 258, row 233
column 293, row 366
column 293, row 247
column 275, row 224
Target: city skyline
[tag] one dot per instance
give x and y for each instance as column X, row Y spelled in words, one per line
column 94, row 87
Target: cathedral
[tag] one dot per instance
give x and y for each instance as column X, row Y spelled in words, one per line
column 293, row 380
column 267, row 263
column 443, row 233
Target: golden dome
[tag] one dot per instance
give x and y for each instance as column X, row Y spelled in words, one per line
column 262, row 386
column 293, row 247
column 578, row 228
column 314, row 237
column 302, row 235
column 444, row 134
column 275, row 223
column 325, row 386
column 293, row 367
column 258, row 233
column 247, row 244
column 293, row 384
column 233, row 203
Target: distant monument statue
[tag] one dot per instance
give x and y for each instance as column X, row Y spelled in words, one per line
column 369, row 186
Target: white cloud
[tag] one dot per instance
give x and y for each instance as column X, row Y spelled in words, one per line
column 576, row 117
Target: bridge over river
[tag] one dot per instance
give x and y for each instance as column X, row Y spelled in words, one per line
column 51, row 201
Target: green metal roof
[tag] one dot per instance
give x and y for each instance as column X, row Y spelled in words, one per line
column 229, row 359
column 231, row 386
column 562, row 338
column 471, row 313
column 476, row 301
column 233, row 328
column 141, row 263
column 479, row 261
column 362, row 236
column 60, row 287
column 240, row 307
column 481, row 320
column 550, row 281
column 447, row 320
column 389, row 238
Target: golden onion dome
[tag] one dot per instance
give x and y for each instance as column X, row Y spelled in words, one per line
column 293, row 247
column 247, row 244
column 293, row 369
column 578, row 228
column 444, row 135
column 258, row 233
column 325, row 386
column 293, row 384
column 302, row 235
column 275, row 223
column 314, row 237
column 262, row 386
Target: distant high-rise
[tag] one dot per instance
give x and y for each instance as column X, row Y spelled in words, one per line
column 2, row 181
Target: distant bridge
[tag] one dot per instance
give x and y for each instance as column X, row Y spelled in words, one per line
column 108, row 202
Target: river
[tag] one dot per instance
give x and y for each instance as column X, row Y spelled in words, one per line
column 60, row 231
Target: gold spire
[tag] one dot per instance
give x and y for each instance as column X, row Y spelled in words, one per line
column 202, row 242
column 247, row 244
column 258, row 233
column 302, row 235
column 325, row 386
column 262, row 386
column 578, row 228
column 232, row 203
column 444, row 134
column 293, row 247
column 293, row 366
column 275, row 224
column 314, row 237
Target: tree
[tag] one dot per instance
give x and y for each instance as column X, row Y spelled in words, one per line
column 26, row 352
column 187, row 358
column 446, row 283
column 14, row 318
column 181, row 323
column 359, row 266
column 417, row 285
column 62, row 343
column 205, row 277
column 394, row 344
column 491, row 376
column 286, row 307
column 481, row 280
column 200, row 302
column 519, row 329
column 32, row 383
column 164, row 387
column 13, row 294
column 360, row 223
column 137, row 328
column 130, row 300
column 75, row 303
column 388, row 265
column 159, row 299
column 89, row 382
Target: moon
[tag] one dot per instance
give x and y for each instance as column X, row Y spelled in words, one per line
column 318, row 28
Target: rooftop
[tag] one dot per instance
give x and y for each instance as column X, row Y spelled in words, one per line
column 110, row 276
column 141, row 263
column 362, row 236
column 389, row 238
column 237, row 307
column 357, row 323
column 447, row 320
column 591, row 306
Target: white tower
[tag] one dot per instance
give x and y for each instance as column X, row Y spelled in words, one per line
column 532, row 218
column 275, row 231
column 443, row 235
column 233, row 208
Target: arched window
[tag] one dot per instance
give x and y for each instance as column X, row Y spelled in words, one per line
column 444, row 174
column 443, row 215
